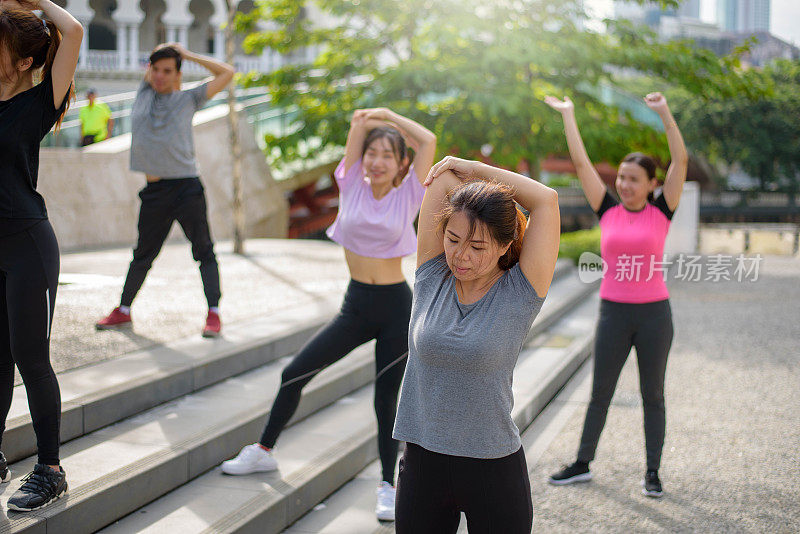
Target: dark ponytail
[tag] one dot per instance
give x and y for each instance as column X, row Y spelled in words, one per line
column 511, row 257
column 493, row 205
column 24, row 35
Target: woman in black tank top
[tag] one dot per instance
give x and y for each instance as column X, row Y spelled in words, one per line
column 29, row 258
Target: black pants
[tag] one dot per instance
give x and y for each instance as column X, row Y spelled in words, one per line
column 29, row 263
column 433, row 489
column 380, row 312
column 648, row 327
column 163, row 202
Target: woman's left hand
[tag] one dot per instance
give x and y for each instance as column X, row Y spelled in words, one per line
column 464, row 169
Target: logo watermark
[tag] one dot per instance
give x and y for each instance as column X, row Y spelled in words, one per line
column 684, row 267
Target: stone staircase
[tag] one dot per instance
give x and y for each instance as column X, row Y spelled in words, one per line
column 145, row 432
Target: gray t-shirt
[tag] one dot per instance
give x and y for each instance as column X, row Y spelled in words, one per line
column 456, row 397
column 161, row 124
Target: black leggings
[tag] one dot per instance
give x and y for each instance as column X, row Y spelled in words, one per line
column 380, row 312
column 165, row 201
column 29, row 263
column 433, row 489
column 648, row 327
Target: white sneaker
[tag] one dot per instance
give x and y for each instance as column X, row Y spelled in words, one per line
column 252, row 459
column 385, row 507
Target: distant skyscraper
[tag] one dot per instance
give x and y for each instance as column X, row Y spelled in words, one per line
column 743, row 15
column 650, row 13
column 690, row 9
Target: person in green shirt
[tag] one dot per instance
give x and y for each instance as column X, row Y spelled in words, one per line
column 96, row 121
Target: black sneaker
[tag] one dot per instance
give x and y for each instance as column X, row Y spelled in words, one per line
column 651, row 485
column 570, row 474
column 5, row 472
column 40, row 487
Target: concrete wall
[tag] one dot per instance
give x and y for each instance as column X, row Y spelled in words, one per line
column 683, row 232
column 92, row 196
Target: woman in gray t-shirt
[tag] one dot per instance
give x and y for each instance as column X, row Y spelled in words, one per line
column 479, row 285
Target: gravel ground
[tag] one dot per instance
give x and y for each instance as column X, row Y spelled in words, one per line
column 731, row 457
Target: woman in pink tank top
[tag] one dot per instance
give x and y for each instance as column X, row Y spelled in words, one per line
column 380, row 193
column 634, row 306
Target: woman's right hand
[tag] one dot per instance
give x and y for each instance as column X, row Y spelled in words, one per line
column 562, row 106
column 464, row 169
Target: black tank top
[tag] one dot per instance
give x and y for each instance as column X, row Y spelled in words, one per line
column 25, row 119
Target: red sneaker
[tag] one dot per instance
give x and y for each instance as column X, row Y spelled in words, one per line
column 213, row 325
column 115, row 319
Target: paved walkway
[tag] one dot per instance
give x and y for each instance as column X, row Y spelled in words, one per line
column 273, row 276
column 732, row 454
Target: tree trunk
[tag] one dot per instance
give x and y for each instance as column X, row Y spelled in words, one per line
column 236, row 147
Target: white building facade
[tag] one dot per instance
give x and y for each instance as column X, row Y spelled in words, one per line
column 122, row 33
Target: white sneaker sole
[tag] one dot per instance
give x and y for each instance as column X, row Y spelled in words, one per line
column 652, row 494
column 385, row 516
column 51, row 501
column 6, row 478
column 583, row 477
column 232, row 470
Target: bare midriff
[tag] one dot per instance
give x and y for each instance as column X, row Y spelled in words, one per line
column 376, row 271
column 151, row 178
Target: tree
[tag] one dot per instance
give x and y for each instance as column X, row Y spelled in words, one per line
column 761, row 134
column 236, row 147
column 475, row 72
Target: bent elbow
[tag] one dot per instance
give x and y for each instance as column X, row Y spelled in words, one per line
column 73, row 31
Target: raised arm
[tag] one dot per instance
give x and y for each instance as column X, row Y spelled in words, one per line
column 543, row 233
column 66, row 58
column 223, row 73
column 593, row 186
column 359, row 126
column 676, row 174
column 419, row 138
column 430, row 241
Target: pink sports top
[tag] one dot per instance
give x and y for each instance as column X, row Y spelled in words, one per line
column 376, row 228
column 632, row 246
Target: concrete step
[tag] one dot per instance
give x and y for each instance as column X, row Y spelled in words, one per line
column 117, row 469
column 100, row 394
column 351, row 508
column 106, row 392
column 268, row 504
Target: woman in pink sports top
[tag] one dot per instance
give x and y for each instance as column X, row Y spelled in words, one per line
column 380, row 193
column 634, row 306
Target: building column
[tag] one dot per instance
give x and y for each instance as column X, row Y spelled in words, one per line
column 172, row 33
column 183, row 36
column 122, row 48
column 133, row 49
column 83, row 59
column 219, row 44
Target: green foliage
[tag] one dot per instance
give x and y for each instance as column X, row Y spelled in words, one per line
column 573, row 244
column 474, row 72
column 761, row 134
column 562, row 180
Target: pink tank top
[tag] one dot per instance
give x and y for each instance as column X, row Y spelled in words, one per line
column 632, row 246
column 376, row 228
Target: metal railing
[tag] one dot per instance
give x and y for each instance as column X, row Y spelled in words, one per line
column 70, row 134
column 112, row 61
